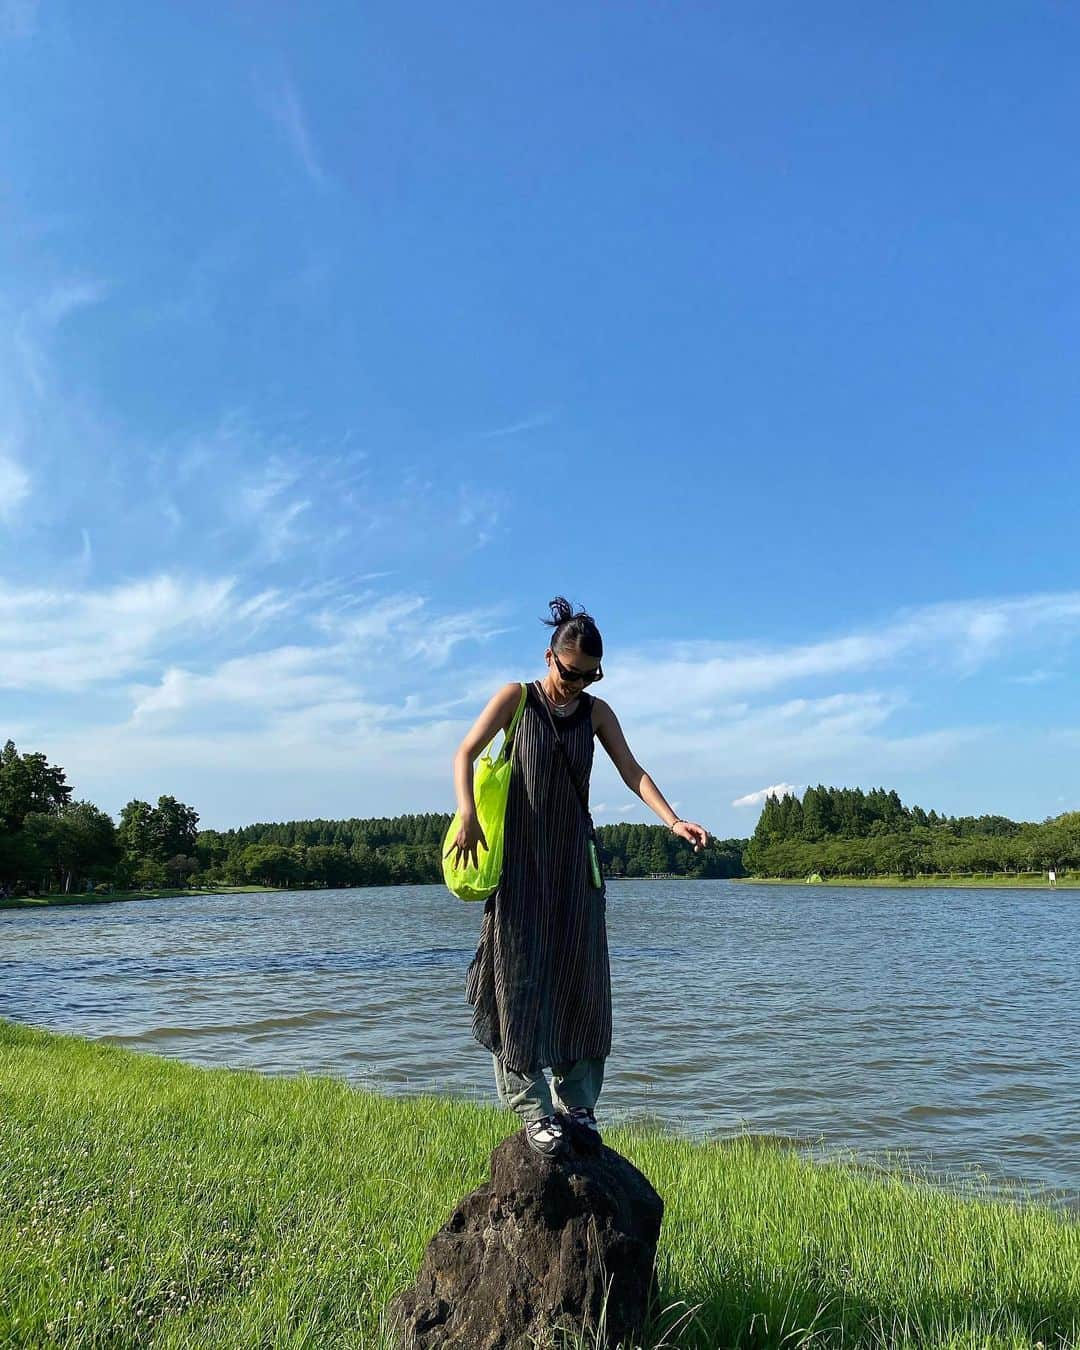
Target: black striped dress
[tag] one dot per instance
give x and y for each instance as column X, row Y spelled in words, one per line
column 540, row 983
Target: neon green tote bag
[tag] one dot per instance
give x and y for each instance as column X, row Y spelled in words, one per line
column 491, row 787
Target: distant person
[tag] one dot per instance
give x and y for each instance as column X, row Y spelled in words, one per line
column 1052, row 875
column 540, row 983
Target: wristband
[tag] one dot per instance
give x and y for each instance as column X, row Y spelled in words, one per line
column 676, row 821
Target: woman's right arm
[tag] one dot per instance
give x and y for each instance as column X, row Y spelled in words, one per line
column 496, row 716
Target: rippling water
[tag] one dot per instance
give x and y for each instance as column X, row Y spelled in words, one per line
column 938, row 1028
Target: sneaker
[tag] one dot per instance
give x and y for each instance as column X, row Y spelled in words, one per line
column 545, row 1136
column 584, row 1115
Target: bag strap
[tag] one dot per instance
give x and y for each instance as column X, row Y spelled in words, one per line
column 508, row 738
column 566, row 760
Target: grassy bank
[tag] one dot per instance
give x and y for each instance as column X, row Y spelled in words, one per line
column 978, row 881
column 146, row 1201
column 115, row 897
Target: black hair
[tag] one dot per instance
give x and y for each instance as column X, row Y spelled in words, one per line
column 573, row 630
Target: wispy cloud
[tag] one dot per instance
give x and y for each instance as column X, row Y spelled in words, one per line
column 478, row 514
column 14, row 486
column 255, row 495
column 1035, row 677
column 281, row 680
column 318, row 699
column 534, row 423
column 32, row 327
column 262, row 494
column 405, row 622
column 68, row 297
column 38, row 424
column 74, row 639
column 958, row 637
column 282, row 102
column 774, row 790
column 268, row 502
column 371, row 660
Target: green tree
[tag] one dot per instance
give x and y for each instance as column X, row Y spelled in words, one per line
column 78, row 840
column 179, row 869
column 212, row 851
column 150, row 875
column 326, row 864
column 156, row 834
column 815, row 819
column 174, row 828
column 135, row 833
column 28, row 783
column 270, row 864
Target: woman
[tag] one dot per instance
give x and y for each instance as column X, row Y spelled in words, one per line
column 540, row 983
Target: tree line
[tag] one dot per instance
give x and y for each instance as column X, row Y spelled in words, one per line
column 50, row 842
column 848, row 832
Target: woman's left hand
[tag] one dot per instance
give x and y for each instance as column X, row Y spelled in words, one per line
column 694, row 834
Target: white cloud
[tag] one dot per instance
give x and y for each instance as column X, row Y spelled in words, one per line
column 354, row 706
column 56, row 430
column 957, row 638
column 28, row 332
column 533, row 423
column 478, row 514
column 14, row 487
column 258, row 496
column 276, row 479
column 385, row 616
column 774, row 790
column 67, row 298
column 282, row 680
column 284, row 106
column 403, row 621
column 366, row 671
column 1035, row 677
column 333, row 700
column 65, row 639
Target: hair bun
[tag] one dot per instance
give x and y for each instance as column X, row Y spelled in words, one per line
column 581, row 627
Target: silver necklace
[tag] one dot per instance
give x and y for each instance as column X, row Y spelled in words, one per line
column 559, row 709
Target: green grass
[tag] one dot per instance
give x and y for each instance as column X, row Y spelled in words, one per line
column 115, row 897
column 145, row 1201
column 977, row 880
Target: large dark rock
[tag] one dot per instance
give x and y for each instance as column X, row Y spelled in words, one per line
column 537, row 1247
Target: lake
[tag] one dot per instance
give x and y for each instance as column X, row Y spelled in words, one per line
column 936, row 1028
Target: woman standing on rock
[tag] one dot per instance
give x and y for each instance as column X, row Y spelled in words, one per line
column 540, row 984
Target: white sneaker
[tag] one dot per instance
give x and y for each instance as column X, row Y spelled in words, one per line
column 545, row 1136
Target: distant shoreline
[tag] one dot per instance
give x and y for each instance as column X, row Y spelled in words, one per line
column 120, row 897
column 993, row 881
column 990, row 881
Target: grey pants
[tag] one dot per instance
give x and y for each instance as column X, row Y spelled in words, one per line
column 576, row 1084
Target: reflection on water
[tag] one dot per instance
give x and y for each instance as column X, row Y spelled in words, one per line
column 937, row 1028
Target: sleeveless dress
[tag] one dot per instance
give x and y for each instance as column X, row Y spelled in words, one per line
column 540, row 982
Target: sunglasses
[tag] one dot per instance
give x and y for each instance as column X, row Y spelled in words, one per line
column 585, row 676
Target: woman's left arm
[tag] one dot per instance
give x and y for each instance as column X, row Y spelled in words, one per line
column 611, row 737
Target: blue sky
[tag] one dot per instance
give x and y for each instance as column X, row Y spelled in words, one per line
column 335, row 340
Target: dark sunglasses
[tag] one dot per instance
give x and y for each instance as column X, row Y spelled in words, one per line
column 585, row 676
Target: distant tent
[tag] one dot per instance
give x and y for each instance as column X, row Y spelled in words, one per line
column 814, row 877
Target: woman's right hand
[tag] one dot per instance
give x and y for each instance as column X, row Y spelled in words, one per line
column 466, row 840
